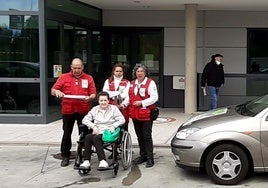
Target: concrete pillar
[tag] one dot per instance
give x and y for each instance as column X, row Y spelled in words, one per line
column 190, row 99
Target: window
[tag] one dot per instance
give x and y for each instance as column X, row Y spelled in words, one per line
column 21, row 5
column 257, row 51
column 19, row 39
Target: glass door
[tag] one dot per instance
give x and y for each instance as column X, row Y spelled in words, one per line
column 81, row 44
column 149, row 53
column 135, row 45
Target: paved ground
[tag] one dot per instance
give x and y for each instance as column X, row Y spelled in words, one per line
column 50, row 134
column 36, row 166
column 29, row 157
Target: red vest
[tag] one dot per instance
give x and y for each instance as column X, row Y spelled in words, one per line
column 125, row 111
column 123, row 82
column 83, row 86
column 138, row 112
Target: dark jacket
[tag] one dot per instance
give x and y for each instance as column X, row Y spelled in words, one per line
column 213, row 75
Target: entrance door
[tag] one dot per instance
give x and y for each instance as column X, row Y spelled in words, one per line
column 131, row 46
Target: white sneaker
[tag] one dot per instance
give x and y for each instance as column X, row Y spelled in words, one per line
column 85, row 164
column 103, row 164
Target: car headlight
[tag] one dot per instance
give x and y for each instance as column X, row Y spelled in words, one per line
column 182, row 134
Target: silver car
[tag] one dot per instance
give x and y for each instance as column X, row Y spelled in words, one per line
column 227, row 142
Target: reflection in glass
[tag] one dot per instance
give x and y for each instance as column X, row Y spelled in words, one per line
column 22, row 5
column 97, row 71
column 19, row 49
column 19, row 69
column 150, row 51
column 19, row 98
column 54, row 54
column 80, row 44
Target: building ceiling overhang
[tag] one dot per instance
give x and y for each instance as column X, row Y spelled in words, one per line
column 239, row 5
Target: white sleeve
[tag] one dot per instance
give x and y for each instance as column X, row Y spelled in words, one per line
column 152, row 91
column 88, row 119
column 119, row 118
column 125, row 95
column 106, row 85
column 106, row 88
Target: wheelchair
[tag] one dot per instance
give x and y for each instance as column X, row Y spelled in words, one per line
column 121, row 149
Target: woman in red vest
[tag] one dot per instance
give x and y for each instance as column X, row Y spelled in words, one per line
column 117, row 86
column 142, row 98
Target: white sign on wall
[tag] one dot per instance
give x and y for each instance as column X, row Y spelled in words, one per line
column 57, row 71
column 178, row 82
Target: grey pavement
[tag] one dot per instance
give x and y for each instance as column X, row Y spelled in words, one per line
column 29, row 159
column 50, row 134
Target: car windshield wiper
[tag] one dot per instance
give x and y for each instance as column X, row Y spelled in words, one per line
column 243, row 110
column 240, row 108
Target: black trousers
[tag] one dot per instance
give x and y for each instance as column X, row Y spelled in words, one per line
column 96, row 141
column 68, row 124
column 143, row 131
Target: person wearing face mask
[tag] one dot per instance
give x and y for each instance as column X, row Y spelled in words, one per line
column 213, row 77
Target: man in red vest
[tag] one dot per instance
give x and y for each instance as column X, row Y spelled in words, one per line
column 76, row 89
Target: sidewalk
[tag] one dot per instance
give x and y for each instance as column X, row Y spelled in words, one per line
column 50, row 134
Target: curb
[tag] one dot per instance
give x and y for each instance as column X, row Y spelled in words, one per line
column 56, row 144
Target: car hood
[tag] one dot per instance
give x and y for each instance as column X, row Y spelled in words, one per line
column 213, row 117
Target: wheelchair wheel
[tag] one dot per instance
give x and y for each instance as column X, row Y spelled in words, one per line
column 83, row 172
column 78, row 159
column 116, row 167
column 126, row 153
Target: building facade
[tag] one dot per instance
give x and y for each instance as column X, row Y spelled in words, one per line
column 40, row 37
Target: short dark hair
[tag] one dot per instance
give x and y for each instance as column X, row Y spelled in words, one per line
column 218, row 55
column 102, row 93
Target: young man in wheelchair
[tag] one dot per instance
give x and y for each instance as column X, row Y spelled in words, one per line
column 99, row 118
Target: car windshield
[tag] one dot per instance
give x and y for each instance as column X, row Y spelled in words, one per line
column 253, row 107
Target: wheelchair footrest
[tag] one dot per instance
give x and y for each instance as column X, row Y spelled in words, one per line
column 104, row 169
column 81, row 168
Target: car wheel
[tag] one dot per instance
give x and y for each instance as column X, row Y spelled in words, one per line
column 227, row 164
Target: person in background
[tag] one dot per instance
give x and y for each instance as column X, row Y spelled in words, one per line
column 101, row 117
column 143, row 95
column 118, row 86
column 76, row 89
column 213, row 77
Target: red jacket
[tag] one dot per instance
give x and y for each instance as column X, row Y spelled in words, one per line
column 69, row 85
column 138, row 112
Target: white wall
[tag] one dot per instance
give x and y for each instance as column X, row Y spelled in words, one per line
column 223, row 32
column 143, row 18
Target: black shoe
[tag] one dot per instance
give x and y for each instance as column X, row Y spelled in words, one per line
column 140, row 160
column 65, row 161
column 150, row 163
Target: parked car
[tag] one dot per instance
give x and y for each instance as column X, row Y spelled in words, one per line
column 228, row 143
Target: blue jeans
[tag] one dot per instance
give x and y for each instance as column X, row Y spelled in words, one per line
column 214, row 94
